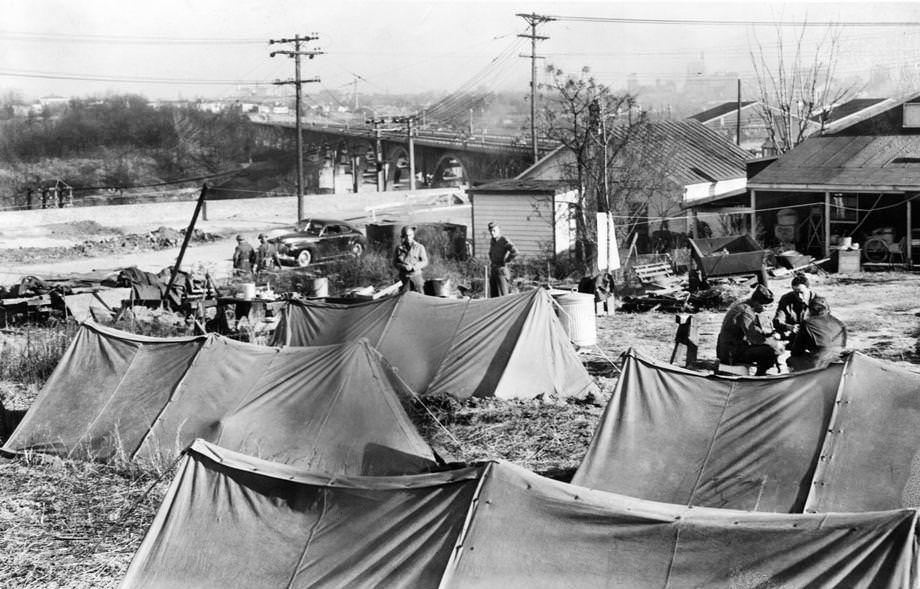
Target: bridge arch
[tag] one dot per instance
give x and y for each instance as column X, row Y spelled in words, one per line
column 397, row 160
column 451, row 169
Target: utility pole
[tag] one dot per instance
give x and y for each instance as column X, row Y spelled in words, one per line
column 378, row 152
column 297, row 82
column 410, row 135
column 533, row 20
column 738, row 122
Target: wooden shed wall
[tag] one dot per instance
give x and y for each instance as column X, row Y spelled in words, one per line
column 527, row 220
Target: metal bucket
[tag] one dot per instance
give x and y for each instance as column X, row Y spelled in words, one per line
column 318, row 287
column 576, row 313
column 438, row 287
column 248, row 290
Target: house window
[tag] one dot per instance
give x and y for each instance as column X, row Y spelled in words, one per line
column 911, row 115
column 843, row 208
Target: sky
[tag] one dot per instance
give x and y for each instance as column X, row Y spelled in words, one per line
column 171, row 49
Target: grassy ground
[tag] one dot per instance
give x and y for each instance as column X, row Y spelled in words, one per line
column 68, row 524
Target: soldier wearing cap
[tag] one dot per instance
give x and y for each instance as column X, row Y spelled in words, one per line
column 244, row 257
column 501, row 253
column 820, row 340
column 266, row 255
column 409, row 260
column 742, row 339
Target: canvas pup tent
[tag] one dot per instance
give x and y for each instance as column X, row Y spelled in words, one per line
column 233, row 520
column 512, row 346
column 845, row 438
column 333, row 409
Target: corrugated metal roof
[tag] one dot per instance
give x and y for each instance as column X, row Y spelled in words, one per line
column 522, row 185
column 719, row 111
column 694, row 153
column 846, row 161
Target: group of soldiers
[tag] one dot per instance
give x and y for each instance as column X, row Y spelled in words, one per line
column 803, row 330
column 410, row 259
column 247, row 259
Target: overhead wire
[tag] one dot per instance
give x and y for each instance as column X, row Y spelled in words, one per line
column 726, row 22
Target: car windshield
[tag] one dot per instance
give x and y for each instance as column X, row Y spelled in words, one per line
column 310, row 227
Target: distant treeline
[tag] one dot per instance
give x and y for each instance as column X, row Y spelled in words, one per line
column 118, row 142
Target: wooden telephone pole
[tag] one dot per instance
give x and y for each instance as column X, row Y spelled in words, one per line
column 296, row 54
column 533, row 20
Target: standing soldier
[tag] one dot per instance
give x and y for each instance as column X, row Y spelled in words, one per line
column 501, row 253
column 409, row 260
column 244, row 257
column 266, row 255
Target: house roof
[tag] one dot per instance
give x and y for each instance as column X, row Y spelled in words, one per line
column 838, row 123
column 857, row 162
column 534, row 185
column 695, row 154
column 720, row 111
column 851, row 107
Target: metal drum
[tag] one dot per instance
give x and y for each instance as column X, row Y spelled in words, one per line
column 576, row 313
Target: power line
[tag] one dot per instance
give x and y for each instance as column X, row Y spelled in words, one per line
column 125, row 39
column 752, row 23
column 133, row 79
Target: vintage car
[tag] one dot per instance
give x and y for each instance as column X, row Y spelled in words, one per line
column 316, row 240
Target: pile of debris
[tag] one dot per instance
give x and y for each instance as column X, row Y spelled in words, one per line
column 722, row 270
column 161, row 238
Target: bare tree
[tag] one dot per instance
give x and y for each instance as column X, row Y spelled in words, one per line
column 797, row 87
column 610, row 155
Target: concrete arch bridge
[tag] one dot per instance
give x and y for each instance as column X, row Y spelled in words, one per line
column 381, row 157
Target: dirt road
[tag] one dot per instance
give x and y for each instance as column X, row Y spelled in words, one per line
column 60, row 227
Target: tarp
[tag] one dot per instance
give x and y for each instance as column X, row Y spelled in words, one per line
column 843, row 438
column 333, row 409
column 230, row 520
column 92, row 306
column 530, row 532
column 512, row 346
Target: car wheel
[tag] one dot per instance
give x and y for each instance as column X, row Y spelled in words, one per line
column 304, row 258
column 357, row 250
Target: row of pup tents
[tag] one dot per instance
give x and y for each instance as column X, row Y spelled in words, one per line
column 230, row 520
column 350, row 366
column 286, row 415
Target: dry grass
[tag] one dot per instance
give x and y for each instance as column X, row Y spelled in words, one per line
column 71, row 524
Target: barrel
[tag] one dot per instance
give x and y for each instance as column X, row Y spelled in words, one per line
column 318, row 287
column 576, row 313
column 438, row 287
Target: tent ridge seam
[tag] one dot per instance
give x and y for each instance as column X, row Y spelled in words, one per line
column 303, row 554
column 454, row 559
column 172, row 396
column 828, row 442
